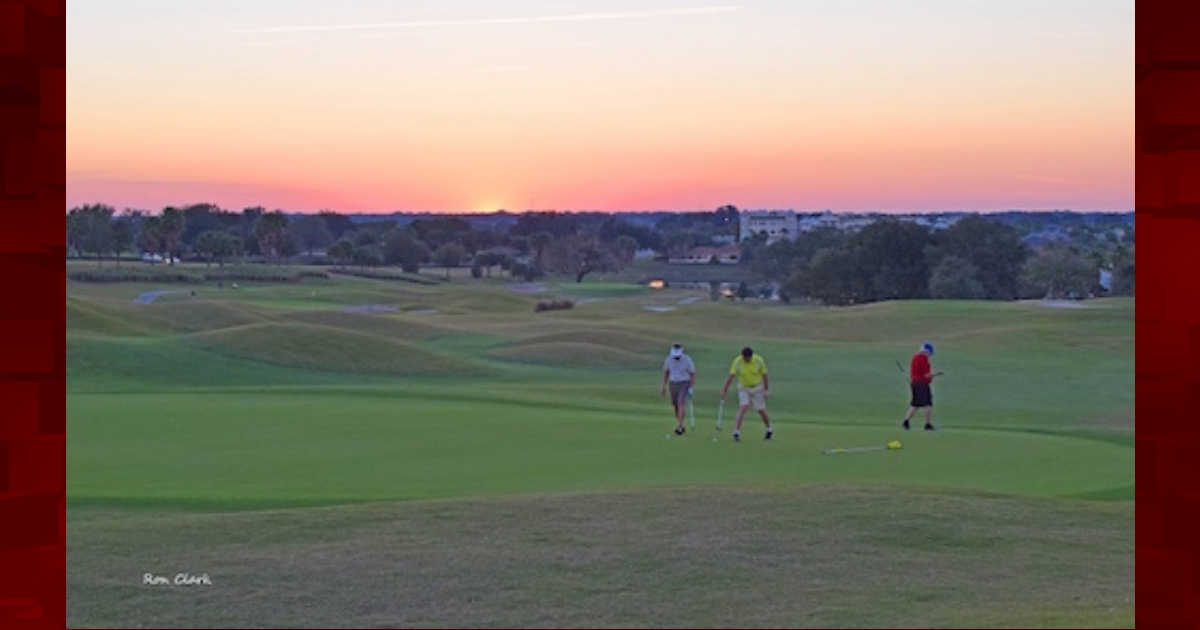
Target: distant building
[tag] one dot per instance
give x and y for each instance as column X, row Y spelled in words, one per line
column 826, row 219
column 727, row 255
column 776, row 224
column 1050, row 235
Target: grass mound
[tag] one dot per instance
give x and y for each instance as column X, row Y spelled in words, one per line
column 387, row 325
column 190, row 316
column 613, row 339
column 491, row 301
column 153, row 363
column 326, row 349
column 569, row 354
column 89, row 318
column 178, row 314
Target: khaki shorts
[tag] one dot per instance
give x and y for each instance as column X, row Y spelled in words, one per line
column 752, row 396
column 679, row 391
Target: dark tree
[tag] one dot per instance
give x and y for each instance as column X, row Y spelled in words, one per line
column 955, row 279
column 890, row 255
column 271, row 232
column 90, row 230
column 1060, row 271
column 580, row 256
column 401, row 247
column 310, row 233
column 171, row 227
column 994, row 248
column 449, row 255
column 342, row 251
column 337, row 224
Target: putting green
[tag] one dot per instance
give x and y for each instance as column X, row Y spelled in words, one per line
column 300, row 447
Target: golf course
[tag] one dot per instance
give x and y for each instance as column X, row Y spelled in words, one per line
column 345, row 451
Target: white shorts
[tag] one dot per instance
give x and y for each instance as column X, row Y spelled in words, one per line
column 752, row 396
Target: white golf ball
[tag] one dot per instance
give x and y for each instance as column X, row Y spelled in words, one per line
column 668, row 436
column 714, row 439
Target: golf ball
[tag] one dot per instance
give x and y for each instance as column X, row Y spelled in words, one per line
column 668, row 436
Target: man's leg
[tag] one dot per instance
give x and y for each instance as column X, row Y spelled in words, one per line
column 737, row 426
column 767, row 421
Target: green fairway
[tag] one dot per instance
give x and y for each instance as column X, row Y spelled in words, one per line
column 449, row 457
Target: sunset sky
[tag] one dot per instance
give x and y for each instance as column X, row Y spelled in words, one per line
column 611, row 105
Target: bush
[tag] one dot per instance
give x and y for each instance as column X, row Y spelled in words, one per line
column 129, row 275
column 386, row 275
column 956, row 279
column 553, row 305
column 169, row 274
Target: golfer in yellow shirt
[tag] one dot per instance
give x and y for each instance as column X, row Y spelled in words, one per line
column 753, row 387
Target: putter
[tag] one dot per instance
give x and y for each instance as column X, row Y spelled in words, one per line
column 720, row 412
column 692, row 413
column 852, row 449
column 894, row 445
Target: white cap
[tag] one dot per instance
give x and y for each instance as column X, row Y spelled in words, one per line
column 676, row 350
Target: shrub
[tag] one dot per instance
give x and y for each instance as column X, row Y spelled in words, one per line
column 553, row 305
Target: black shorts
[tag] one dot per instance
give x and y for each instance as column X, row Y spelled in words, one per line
column 922, row 396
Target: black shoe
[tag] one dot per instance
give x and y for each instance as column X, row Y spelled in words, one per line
column 905, row 425
column 930, row 427
column 737, row 437
column 678, row 430
column 770, row 432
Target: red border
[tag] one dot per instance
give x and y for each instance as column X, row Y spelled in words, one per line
column 32, row 198
column 33, row 88
column 1168, row 313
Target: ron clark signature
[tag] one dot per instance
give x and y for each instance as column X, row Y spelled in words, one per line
column 180, row 579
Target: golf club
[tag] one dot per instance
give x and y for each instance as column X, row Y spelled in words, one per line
column 894, row 445
column 720, row 411
column 901, row 368
column 691, row 411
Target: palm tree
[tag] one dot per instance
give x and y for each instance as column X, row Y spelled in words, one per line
column 171, row 226
column 270, row 230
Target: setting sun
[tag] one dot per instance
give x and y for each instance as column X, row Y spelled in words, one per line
column 489, row 207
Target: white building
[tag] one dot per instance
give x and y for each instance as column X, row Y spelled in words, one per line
column 776, row 224
column 726, row 255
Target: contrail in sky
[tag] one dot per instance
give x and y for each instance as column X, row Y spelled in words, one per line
column 583, row 17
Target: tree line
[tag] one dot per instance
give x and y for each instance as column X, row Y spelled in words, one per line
column 577, row 244
column 975, row 258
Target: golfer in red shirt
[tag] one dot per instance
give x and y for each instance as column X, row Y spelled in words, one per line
column 921, row 376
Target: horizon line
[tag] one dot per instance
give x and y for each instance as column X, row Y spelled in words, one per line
column 638, row 211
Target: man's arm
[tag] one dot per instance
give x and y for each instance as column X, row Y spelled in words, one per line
column 726, row 387
column 766, row 384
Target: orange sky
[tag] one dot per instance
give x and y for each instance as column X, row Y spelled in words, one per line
column 466, row 105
